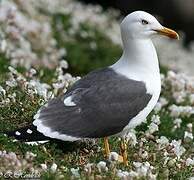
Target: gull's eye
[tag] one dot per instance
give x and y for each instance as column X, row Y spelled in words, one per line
column 144, row 22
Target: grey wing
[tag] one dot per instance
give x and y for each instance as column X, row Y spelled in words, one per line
column 93, row 109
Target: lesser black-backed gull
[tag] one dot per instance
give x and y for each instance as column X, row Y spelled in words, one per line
column 108, row 101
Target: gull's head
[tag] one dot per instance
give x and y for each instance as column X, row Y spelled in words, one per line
column 142, row 25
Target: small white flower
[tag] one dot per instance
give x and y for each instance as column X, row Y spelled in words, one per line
column 30, row 155
column 191, row 178
column 189, row 162
column 12, row 155
column 11, row 83
column 155, row 119
column 63, row 64
column 93, row 45
column 188, row 135
column 12, row 70
column 133, row 174
column 143, row 169
column 102, row 166
column 158, row 107
column 113, row 156
column 131, row 138
column 144, row 155
column 177, row 122
column 125, row 173
column 54, row 167
column 75, row 172
column 62, row 52
column 122, row 174
column 32, row 72
column 137, row 164
column 152, row 176
column 84, row 34
column 2, row 91
column 3, row 45
column 40, row 88
column 88, row 167
column 163, row 141
column 43, row 166
column 191, row 98
column 176, row 111
column 152, row 128
column 177, row 148
column 162, row 102
column 190, row 127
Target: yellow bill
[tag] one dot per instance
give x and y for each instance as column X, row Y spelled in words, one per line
column 168, row 32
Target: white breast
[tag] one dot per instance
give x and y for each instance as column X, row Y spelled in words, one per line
column 151, row 77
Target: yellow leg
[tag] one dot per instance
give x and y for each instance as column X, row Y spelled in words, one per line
column 123, row 148
column 106, row 146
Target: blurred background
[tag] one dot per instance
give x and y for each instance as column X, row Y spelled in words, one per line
column 177, row 14
column 86, row 33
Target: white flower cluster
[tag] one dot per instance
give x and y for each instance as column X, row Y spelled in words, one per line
column 114, row 156
column 63, row 79
column 131, row 137
column 11, row 162
column 102, row 166
column 53, row 167
column 75, row 172
column 153, row 126
column 183, row 111
column 24, row 35
column 182, row 86
column 162, row 142
column 160, row 104
column 142, row 170
column 5, row 98
column 33, row 86
column 90, row 14
column 190, row 162
column 178, row 149
column 180, row 89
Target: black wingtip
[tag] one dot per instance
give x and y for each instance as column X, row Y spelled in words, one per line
column 28, row 133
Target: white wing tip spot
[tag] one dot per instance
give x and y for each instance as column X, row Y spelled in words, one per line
column 68, row 101
column 29, row 131
column 36, row 142
column 17, row 133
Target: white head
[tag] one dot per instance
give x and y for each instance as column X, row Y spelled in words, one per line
column 142, row 25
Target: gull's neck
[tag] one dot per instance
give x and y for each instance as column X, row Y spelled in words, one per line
column 139, row 60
